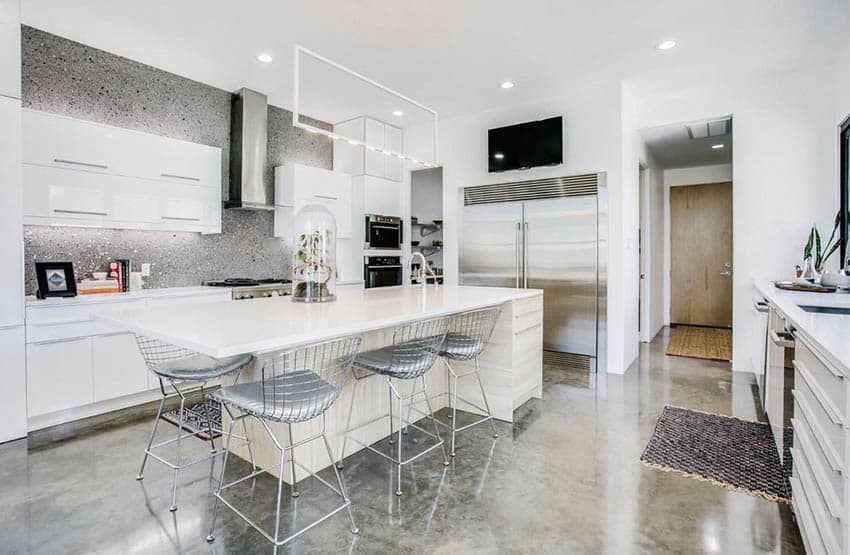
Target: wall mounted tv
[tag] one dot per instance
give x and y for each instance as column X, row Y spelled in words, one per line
column 526, row 145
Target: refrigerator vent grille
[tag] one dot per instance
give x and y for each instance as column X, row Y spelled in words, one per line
column 554, row 187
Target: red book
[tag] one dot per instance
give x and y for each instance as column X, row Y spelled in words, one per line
column 116, row 271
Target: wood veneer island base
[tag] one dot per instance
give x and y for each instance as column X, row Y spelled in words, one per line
column 511, row 366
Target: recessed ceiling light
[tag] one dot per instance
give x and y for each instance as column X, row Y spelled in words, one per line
column 507, row 84
column 718, row 146
column 265, row 58
column 498, row 156
column 666, row 45
column 398, row 113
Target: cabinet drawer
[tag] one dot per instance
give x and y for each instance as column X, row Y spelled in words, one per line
column 829, row 436
column 829, row 527
column 828, row 474
column 805, row 518
column 61, row 142
column 117, row 367
column 826, row 381
column 58, row 314
column 59, row 375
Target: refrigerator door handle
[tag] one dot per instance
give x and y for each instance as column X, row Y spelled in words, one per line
column 516, row 253
column 525, row 255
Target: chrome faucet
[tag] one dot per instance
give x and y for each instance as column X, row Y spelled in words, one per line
column 425, row 268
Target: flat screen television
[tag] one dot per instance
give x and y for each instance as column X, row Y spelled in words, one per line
column 526, row 145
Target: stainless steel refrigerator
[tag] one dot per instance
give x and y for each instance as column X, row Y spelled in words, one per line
column 553, row 244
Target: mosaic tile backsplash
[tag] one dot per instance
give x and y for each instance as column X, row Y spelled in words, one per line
column 69, row 78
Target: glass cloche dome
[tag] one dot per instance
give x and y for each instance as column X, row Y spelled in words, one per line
column 314, row 255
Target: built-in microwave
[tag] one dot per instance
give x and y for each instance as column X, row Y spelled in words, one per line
column 382, row 271
column 383, row 232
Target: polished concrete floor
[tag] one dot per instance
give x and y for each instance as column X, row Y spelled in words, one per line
column 564, row 478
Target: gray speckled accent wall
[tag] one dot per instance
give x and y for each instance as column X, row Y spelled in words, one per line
column 69, row 78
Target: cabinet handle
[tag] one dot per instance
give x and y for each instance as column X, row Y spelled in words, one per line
column 827, row 448
column 786, row 340
column 176, row 176
column 76, row 163
column 326, row 197
column 181, row 218
column 835, row 373
column 62, row 340
column 83, row 212
column 761, row 306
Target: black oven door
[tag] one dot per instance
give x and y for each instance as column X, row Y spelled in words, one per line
column 383, row 276
column 384, row 236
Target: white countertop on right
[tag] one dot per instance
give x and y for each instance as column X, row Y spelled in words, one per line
column 831, row 332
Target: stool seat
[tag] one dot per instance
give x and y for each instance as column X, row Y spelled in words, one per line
column 400, row 360
column 199, row 367
column 291, row 397
column 461, row 347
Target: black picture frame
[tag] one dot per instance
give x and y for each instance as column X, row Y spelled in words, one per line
column 55, row 279
column 844, row 185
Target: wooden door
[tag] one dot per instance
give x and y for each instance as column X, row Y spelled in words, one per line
column 701, row 255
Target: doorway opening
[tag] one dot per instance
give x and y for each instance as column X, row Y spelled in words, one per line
column 695, row 159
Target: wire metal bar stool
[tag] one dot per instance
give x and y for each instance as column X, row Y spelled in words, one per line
column 185, row 374
column 468, row 336
column 414, row 349
column 296, row 386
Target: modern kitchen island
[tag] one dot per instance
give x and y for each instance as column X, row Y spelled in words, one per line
column 511, row 366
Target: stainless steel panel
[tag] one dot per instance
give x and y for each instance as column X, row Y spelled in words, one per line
column 602, row 273
column 561, row 259
column 248, row 143
column 490, row 251
column 534, row 189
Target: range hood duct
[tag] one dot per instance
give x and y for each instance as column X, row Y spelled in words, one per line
column 248, row 139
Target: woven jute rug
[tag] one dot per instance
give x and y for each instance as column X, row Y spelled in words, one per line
column 736, row 454
column 698, row 342
column 195, row 419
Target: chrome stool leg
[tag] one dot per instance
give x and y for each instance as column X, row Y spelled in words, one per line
column 486, row 404
column 180, row 417
column 211, row 536
column 141, row 474
column 434, row 422
column 400, row 426
column 452, row 401
column 292, row 460
column 354, row 528
column 340, row 465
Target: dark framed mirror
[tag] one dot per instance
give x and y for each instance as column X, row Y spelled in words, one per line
column 844, row 176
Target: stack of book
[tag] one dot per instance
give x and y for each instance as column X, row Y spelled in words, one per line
column 98, row 286
column 120, row 269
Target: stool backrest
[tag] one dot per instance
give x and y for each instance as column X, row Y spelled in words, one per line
column 470, row 332
column 416, row 346
column 302, row 383
column 156, row 352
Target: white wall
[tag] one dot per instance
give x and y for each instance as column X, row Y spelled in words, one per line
column 784, row 173
column 697, row 175
column 592, row 143
column 653, row 224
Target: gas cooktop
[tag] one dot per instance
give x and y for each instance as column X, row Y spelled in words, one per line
column 247, row 282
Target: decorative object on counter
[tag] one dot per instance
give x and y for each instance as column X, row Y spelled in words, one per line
column 815, row 253
column 313, row 259
column 119, row 269
column 137, row 281
column 55, row 279
column 839, row 279
column 99, row 286
column 798, row 286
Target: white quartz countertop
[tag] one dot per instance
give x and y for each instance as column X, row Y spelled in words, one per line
column 270, row 324
column 831, row 332
column 128, row 296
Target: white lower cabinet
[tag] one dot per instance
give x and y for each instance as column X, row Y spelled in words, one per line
column 117, row 367
column 59, row 375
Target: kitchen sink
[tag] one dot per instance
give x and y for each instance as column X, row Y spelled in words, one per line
column 826, row 309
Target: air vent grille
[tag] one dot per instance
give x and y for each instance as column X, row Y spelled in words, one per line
column 554, row 187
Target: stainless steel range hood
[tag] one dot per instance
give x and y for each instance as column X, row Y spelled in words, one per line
column 248, row 139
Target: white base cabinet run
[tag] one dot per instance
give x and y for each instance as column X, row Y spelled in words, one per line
column 77, row 366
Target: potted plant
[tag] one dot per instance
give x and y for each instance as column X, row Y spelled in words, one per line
column 815, row 253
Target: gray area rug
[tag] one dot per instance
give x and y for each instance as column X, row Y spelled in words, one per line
column 730, row 452
column 195, row 420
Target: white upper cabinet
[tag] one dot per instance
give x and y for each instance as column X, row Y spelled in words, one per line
column 297, row 186
column 82, row 173
column 371, row 160
column 10, row 48
column 380, row 196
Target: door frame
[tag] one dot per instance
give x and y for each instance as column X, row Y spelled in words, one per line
column 668, row 265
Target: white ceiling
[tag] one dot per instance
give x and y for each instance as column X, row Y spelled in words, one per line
column 449, row 54
column 673, row 147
